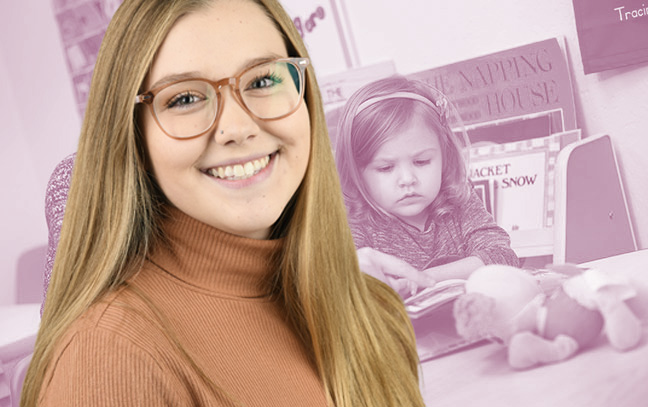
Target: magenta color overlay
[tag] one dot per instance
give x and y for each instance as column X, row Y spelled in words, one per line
column 611, row 33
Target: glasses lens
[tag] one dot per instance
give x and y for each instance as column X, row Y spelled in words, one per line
column 269, row 91
column 187, row 108
column 272, row 90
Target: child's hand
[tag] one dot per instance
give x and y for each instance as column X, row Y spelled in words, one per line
column 400, row 285
column 384, row 266
column 403, row 286
column 407, row 288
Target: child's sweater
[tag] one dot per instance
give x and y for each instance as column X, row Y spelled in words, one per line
column 468, row 231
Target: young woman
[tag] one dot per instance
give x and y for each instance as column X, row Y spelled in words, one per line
column 205, row 257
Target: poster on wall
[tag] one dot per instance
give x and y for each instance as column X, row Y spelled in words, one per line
column 82, row 24
column 512, row 83
column 611, row 33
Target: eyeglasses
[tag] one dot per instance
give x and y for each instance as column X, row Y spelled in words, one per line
column 190, row 107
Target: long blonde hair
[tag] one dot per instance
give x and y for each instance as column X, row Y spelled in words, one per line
column 355, row 327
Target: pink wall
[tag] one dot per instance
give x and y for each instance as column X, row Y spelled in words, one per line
column 41, row 124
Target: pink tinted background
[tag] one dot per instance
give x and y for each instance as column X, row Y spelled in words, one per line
column 612, row 33
column 40, row 122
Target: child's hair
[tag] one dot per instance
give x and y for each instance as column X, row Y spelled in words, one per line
column 354, row 327
column 386, row 107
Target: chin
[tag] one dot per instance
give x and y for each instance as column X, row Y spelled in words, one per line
column 410, row 214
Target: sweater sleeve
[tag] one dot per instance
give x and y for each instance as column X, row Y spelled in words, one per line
column 482, row 237
column 101, row 368
column 360, row 233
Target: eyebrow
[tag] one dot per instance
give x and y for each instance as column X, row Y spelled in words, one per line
column 414, row 155
column 197, row 74
column 425, row 150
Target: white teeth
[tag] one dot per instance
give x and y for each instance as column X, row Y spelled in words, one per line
column 249, row 169
column 240, row 171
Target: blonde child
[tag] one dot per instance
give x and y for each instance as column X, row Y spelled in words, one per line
column 414, row 215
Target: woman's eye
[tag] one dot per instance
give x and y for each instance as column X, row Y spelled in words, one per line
column 421, row 163
column 184, row 100
column 264, row 81
column 261, row 83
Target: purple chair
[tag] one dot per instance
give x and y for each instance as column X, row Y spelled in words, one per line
column 55, row 198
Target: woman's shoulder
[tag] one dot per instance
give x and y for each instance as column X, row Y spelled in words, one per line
column 112, row 349
column 118, row 318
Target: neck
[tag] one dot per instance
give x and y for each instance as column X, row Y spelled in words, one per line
column 206, row 257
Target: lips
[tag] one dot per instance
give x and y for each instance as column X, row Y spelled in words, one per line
column 240, row 171
column 408, row 197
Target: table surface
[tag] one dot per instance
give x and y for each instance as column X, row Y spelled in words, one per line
column 597, row 377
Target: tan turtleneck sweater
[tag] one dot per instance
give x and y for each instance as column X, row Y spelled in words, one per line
column 212, row 289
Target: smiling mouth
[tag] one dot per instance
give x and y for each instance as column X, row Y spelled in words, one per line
column 240, row 171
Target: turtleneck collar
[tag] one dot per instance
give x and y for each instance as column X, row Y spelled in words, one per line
column 209, row 258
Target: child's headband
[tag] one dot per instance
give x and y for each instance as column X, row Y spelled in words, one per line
column 440, row 105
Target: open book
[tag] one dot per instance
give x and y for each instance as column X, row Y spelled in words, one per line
column 431, row 313
column 431, row 298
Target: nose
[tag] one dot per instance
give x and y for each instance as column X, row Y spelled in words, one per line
column 406, row 177
column 234, row 124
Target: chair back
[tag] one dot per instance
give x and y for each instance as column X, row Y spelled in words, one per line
column 592, row 217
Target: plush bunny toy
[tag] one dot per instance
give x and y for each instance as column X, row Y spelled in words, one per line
column 507, row 304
